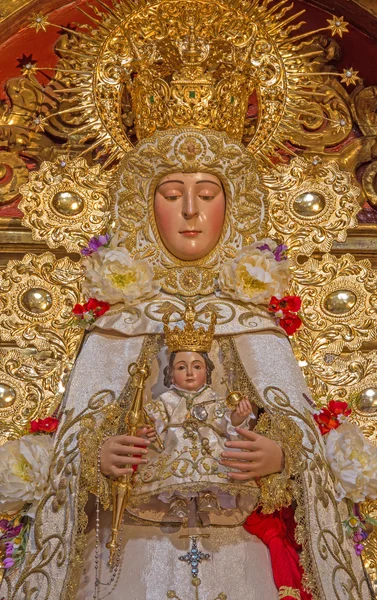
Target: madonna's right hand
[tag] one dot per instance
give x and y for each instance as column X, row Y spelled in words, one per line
column 121, row 450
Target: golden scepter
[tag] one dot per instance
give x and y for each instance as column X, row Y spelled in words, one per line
column 121, row 487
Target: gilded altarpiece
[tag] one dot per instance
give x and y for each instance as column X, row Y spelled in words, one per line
column 64, row 127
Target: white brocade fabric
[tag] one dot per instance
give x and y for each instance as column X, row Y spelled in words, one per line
column 151, row 566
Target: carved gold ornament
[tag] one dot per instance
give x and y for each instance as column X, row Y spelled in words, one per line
column 177, row 63
column 13, row 173
column 37, row 295
column 339, row 313
column 188, row 151
column 66, row 203
column 312, row 204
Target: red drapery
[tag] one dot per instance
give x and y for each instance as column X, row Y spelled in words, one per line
column 277, row 532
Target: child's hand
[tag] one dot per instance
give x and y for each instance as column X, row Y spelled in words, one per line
column 242, row 411
column 148, row 432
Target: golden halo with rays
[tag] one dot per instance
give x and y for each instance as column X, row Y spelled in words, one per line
column 99, row 65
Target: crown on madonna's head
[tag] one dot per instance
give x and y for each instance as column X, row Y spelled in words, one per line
column 191, row 81
column 190, row 338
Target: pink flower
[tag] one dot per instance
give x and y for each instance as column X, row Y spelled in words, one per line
column 8, row 563
column 95, row 243
column 358, row 549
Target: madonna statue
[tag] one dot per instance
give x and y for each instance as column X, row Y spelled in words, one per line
column 190, row 215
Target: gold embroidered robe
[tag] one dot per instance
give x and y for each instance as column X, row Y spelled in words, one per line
column 193, row 428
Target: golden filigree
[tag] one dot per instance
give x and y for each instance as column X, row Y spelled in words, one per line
column 22, row 147
column 176, row 83
column 134, row 191
column 276, row 489
column 66, row 202
column 37, row 295
column 311, row 204
column 289, row 592
column 326, row 118
column 339, row 313
column 338, row 292
column 370, row 544
column 13, row 172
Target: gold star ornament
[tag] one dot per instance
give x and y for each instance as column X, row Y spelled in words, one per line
column 350, row 77
column 38, row 22
column 29, row 70
column 338, row 26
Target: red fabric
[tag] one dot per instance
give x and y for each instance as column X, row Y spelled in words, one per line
column 277, row 532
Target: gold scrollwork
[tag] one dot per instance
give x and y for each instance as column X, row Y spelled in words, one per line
column 37, row 295
column 66, row 202
column 311, row 205
column 339, row 312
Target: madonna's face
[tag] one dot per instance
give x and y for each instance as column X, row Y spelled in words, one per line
column 190, row 211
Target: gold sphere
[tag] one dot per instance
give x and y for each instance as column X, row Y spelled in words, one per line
column 7, row 395
column 3, row 170
column 367, row 400
column 340, row 302
column 309, row 204
column 36, row 300
column 233, row 399
column 68, row 204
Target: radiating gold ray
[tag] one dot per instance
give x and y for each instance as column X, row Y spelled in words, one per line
column 72, row 90
column 68, row 110
column 303, row 36
column 275, row 8
column 108, row 9
column 279, row 26
column 310, row 114
column 278, row 143
column 93, row 19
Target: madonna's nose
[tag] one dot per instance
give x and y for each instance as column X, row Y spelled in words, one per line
column 190, row 208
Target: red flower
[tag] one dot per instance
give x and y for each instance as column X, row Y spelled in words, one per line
column 79, row 309
column 288, row 304
column 49, row 425
column 290, row 323
column 337, row 407
column 327, row 418
column 97, row 307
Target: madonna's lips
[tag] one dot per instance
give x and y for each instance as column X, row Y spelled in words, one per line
column 190, row 232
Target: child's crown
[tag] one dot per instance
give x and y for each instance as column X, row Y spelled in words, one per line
column 189, row 339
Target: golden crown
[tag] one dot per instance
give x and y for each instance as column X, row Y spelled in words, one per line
column 190, row 338
column 182, row 80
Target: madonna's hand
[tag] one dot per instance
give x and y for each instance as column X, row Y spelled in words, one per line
column 121, row 450
column 259, row 456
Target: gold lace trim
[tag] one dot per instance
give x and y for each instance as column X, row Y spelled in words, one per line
column 276, row 489
column 91, row 437
column 285, row 591
column 232, row 364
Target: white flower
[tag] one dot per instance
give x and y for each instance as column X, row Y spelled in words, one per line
column 113, row 276
column 24, row 469
column 254, row 275
column 353, row 461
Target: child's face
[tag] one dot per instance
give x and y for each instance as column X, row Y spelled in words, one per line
column 189, row 371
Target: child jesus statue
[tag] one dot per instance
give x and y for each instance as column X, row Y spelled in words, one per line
column 193, row 423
